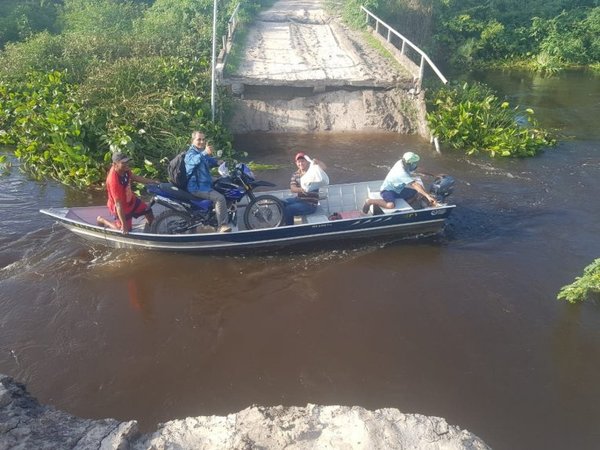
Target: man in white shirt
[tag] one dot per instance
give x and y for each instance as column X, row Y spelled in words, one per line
column 399, row 183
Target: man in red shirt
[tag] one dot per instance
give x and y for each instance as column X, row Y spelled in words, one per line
column 122, row 202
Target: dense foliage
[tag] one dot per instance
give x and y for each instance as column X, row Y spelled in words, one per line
column 469, row 33
column 20, row 19
column 109, row 75
column 583, row 287
column 546, row 35
column 472, row 118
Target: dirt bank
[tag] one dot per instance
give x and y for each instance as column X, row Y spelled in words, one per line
column 25, row 424
column 339, row 110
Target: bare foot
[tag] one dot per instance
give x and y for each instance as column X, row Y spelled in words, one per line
column 101, row 221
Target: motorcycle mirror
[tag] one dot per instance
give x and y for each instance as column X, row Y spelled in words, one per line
column 223, row 170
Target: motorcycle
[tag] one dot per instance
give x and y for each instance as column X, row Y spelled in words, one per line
column 185, row 212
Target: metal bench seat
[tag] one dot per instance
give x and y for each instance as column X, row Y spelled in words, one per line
column 399, row 205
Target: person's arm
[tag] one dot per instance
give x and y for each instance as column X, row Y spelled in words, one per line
column 211, row 161
column 319, row 163
column 420, row 172
column 143, row 180
column 421, row 190
column 295, row 186
column 121, row 216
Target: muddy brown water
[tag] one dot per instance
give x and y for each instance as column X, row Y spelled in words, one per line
column 465, row 325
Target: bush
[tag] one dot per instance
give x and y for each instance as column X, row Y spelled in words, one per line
column 175, row 27
column 146, row 106
column 21, row 19
column 473, row 119
column 551, row 34
column 583, row 287
column 123, row 76
column 38, row 53
column 353, row 15
column 97, row 17
column 43, row 120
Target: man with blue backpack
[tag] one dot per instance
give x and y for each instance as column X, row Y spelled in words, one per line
column 198, row 162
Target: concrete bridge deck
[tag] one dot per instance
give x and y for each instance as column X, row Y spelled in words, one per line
column 304, row 71
column 297, row 44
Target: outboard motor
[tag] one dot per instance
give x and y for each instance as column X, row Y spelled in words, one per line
column 442, row 187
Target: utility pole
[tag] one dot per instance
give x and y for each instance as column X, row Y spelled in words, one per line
column 213, row 63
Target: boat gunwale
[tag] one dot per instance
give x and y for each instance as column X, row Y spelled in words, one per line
column 311, row 231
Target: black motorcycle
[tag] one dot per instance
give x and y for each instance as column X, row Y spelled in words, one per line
column 185, row 212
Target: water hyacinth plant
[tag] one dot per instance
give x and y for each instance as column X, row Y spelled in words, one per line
column 114, row 76
column 470, row 117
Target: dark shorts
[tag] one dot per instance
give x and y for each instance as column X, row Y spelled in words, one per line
column 391, row 196
column 139, row 209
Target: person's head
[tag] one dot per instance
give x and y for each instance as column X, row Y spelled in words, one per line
column 301, row 161
column 198, row 139
column 120, row 161
column 410, row 161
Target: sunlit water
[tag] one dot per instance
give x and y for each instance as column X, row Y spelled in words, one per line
column 464, row 325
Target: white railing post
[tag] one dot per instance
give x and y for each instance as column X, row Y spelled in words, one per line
column 421, row 73
column 405, row 41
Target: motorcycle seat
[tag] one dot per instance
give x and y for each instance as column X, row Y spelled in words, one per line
column 177, row 193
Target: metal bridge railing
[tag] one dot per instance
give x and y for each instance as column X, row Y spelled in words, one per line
column 405, row 44
column 227, row 42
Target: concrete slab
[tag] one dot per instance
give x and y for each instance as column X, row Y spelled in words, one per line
column 296, row 43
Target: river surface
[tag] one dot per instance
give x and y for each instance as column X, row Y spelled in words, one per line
column 464, row 326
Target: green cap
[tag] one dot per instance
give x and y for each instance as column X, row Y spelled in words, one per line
column 410, row 158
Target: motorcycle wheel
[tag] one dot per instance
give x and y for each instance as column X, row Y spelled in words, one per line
column 170, row 222
column 265, row 211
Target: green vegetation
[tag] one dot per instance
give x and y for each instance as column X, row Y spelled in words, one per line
column 20, row 19
column 543, row 35
column 351, row 12
column 583, row 287
column 97, row 76
column 4, row 165
column 472, row 118
column 467, row 34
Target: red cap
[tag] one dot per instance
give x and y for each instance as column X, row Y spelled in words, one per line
column 299, row 155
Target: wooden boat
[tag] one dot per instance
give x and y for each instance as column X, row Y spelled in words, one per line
column 338, row 217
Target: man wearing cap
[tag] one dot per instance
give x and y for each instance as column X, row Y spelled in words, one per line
column 198, row 162
column 399, row 183
column 304, row 202
column 122, row 203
